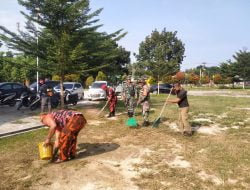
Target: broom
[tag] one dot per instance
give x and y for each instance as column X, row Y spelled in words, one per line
column 131, row 122
column 158, row 120
column 102, row 109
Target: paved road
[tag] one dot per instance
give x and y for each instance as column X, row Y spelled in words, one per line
column 12, row 121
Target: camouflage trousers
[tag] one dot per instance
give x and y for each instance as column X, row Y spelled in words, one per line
column 130, row 104
column 145, row 110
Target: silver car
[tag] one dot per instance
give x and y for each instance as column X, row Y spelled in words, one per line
column 72, row 87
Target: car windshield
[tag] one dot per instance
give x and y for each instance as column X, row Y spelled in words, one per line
column 33, row 85
column 68, row 86
column 97, row 85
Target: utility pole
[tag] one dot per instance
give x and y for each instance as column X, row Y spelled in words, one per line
column 203, row 68
column 200, row 74
column 37, row 58
column 18, row 26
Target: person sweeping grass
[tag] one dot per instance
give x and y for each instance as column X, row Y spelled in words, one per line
column 183, row 104
column 144, row 97
column 112, row 99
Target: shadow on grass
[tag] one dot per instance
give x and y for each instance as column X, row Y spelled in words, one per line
column 92, row 149
column 195, row 126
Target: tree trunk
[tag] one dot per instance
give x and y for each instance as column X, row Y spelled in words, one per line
column 62, row 91
column 158, row 84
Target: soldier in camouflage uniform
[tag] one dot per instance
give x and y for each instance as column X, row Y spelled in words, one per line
column 128, row 96
column 144, row 101
column 138, row 88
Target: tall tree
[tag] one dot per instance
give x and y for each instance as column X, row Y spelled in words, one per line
column 227, row 69
column 160, row 54
column 119, row 66
column 19, row 68
column 68, row 37
column 242, row 65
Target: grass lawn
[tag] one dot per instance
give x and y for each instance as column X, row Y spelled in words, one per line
column 113, row 156
column 216, row 88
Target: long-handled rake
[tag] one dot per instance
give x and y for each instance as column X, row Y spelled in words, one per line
column 158, row 120
column 102, row 109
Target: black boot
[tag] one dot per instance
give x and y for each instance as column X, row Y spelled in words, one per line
column 130, row 114
column 113, row 113
column 110, row 114
column 144, row 124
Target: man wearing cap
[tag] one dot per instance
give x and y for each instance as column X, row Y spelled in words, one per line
column 183, row 104
column 144, row 98
column 112, row 99
column 128, row 96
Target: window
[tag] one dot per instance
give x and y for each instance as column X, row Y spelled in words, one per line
column 98, row 85
column 6, row 87
column 78, row 85
column 68, row 86
column 17, row 86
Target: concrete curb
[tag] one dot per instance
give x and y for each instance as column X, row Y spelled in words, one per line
column 3, row 135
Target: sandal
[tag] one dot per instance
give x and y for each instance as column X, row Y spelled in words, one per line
column 58, row 161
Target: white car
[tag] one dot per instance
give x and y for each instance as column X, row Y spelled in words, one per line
column 72, row 87
column 95, row 91
column 119, row 88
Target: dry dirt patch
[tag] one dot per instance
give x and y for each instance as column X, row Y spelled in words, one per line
column 110, row 170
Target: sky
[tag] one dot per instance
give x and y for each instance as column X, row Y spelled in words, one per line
column 212, row 30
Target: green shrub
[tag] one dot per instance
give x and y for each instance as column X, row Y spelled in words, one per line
column 89, row 81
column 100, row 76
column 72, row 78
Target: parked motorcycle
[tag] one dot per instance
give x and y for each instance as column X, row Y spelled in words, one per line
column 70, row 98
column 36, row 103
column 8, row 99
column 25, row 99
column 33, row 100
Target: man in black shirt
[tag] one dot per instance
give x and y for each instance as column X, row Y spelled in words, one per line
column 182, row 102
column 45, row 96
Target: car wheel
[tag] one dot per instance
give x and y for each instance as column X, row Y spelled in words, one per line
column 82, row 96
column 33, row 107
column 12, row 103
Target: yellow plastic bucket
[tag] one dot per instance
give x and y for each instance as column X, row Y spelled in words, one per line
column 45, row 152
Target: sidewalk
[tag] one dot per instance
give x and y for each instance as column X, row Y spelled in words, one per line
column 13, row 121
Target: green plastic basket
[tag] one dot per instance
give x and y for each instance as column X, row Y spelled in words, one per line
column 131, row 122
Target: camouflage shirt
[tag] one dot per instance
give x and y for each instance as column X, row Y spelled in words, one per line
column 143, row 98
column 129, row 90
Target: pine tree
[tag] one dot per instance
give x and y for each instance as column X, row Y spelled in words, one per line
column 68, row 41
